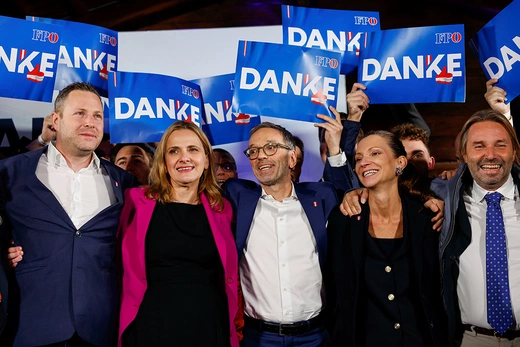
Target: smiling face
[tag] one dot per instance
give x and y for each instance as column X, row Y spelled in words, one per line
column 376, row 162
column 489, row 154
column 224, row 160
column 79, row 125
column 275, row 169
column 185, row 158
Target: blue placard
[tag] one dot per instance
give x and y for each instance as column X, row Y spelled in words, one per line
column 414, row 65
column 285, row 81
column 28, row 59
column 87, row 54
column 497, row 47
column 220, row 124
column 337, row 30
column 143, row 105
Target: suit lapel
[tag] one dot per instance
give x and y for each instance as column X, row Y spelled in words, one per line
column 359, row 227
column 39, row 189
column 216, row 229
column 245, row 210
column 413, row 226
column 314, row 210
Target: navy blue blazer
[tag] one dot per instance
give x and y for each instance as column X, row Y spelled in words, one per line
column 317, row 199
column 3, row 277
column 344, row 177
column 68, row 279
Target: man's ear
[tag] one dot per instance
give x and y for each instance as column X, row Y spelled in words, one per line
column 55, row 117
column 292, row 159
column 431, row 163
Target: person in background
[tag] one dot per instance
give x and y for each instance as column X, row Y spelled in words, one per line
column 296, row 171
column 136, row 158
column 225, row 165
column 180, row 268
column 62, row 206
column 384, row 262
column 417, row 145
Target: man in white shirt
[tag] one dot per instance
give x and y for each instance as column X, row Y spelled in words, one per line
column 281, row 239
column 491, row 151
column 63, row 203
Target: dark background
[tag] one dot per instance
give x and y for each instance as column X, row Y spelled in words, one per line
column 444, row 120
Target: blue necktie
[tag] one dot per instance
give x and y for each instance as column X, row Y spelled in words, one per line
column 499, row 313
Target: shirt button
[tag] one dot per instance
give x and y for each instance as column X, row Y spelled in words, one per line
column 391, row 297
column 281, row 219
column 78, row 233
column 397, row 326
column 229, row 280
column 285, row 289
column 283, row 265
column 388, row 269
column 282, row 242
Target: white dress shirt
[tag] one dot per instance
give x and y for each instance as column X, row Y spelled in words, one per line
column 82, row 194
column 280, row 271
column 471, row 285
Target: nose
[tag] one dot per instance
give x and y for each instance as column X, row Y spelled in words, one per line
column 220, row 171
column 490, row 152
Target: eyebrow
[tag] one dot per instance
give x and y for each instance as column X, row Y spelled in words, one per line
column 268, row 141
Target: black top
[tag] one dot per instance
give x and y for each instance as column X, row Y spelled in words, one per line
column 391, row 295
column 185, row 302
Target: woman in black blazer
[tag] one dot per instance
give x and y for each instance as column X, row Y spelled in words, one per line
column 384, row 262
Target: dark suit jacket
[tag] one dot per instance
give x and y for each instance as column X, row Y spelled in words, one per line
column 68, row 278
column 3, row 245
column 347, row 258
column 317, row 199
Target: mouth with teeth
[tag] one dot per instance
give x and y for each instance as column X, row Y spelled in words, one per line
column 490, row 166
column 185, row 168
column 264, row 167
column 369, row 173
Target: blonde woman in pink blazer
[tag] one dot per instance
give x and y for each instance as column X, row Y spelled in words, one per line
column 179, row 259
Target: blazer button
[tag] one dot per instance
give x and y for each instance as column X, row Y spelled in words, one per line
column 397, row 326
column 1, row 220
column 229, row 280
column 78, row 233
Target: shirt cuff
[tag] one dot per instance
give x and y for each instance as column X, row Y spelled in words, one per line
column 338, row 160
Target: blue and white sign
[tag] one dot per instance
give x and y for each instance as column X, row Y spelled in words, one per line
column 285, row 81
column 143, row 105
column 87, row 54
column 220, row 124
column 497, row 47
column 337, row 30
column 414, row 65
column 28, row 59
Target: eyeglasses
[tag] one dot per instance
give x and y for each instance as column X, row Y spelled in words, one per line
column 269, row 150
column 227, row 167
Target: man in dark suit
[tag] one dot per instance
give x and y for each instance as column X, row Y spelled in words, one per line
column 63, row 204
column 281, row 240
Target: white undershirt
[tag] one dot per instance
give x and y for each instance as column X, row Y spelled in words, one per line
column 471, row 285
column 280, row 271
column 82, row 194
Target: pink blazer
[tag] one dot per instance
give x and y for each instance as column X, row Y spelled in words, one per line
column 135, row 218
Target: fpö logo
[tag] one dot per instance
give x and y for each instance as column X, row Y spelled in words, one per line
column 362, row 20
column 107, row 39
column 443, row 38
column 326, row 62
column 190, row 91
column 45, row 36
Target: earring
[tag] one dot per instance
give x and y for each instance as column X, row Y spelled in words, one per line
column 398, row 171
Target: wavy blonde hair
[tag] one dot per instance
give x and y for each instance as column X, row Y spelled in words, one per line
column 160, row 187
